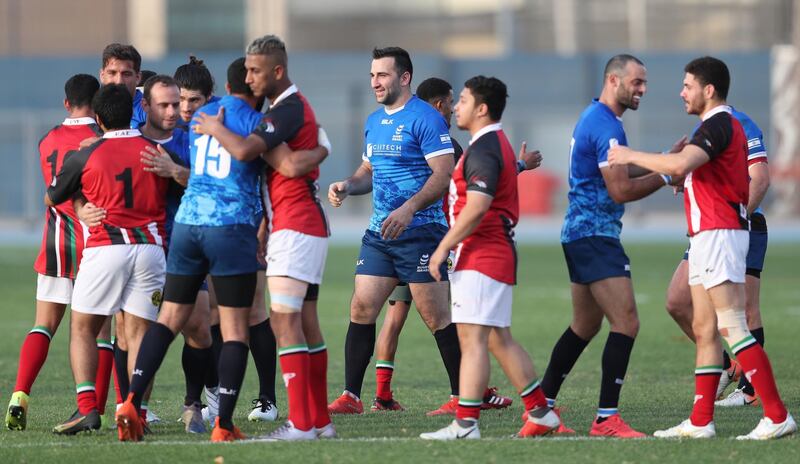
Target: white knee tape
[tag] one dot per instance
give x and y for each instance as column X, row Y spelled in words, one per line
column 732, row 325
column 286, row 303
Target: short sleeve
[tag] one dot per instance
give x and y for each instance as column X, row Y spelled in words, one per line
column 714, row 135
column 280, row 124
column 482, row 170
column 433, row 135
column 756, row 151
column 68, row 180
column 607, row 138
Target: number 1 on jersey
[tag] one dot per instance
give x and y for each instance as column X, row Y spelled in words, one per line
column 212, row 158
column 126, row 177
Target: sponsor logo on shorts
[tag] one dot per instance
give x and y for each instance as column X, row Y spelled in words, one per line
column 423, row 263
column 359, row 262
column 627, row 267
column 156, row 298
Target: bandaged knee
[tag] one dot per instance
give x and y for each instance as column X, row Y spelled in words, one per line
column 732, row 325
column 283, row 303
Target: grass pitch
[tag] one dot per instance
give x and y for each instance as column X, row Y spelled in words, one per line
column 658, row 391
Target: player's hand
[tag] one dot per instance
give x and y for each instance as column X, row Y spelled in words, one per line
column 437, row 259
column 262, row 236
column 532, row 159
column 679, row 144
column 86, row 142
column 206, row 123
column 337, row 192
column 397, row 222
column 91, row 215
column 619, row 154
column 157, row 161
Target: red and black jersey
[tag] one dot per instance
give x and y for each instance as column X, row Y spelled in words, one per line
column 64, row 236
column 488, row 167
column 716, row 193
column 295, row 203
column 110, row 175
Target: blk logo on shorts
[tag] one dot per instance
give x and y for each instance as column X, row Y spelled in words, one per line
column 359, row 262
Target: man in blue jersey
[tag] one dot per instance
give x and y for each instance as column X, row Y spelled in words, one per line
column 407, row 164
column 598, row 268
column 121, row 64
column 679, row 298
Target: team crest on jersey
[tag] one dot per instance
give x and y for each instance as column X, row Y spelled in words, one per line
column 398, row 134
column 156, row 298
column 267, row 126
column 445, row 138
column 478, row 181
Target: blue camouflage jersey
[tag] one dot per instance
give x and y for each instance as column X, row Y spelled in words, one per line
column 398, row 143
column 222, row 190
column 139, row 116
column 591, row 211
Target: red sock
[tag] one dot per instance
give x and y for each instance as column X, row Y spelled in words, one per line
column 295, row 368
column 706, row 379
column 32, row 356
column 758, row 371
column 105, row 362
column 383, row 380
column 143, row 413
column 469, row 409
column 117, row 391
column 87, row 398
column 318, row 386
column 533, row 396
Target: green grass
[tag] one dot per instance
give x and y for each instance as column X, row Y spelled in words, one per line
column 657, row 393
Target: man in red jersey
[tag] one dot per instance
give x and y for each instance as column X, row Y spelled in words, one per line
column 715, row 198
column 485, row 204
column 62, row 244
column 123, row 265
column 298, row 243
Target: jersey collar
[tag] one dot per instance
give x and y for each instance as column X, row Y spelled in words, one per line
column 717, row 109
column 124, row 133
column 485, row 130
column 292, row 89
column 79, row 121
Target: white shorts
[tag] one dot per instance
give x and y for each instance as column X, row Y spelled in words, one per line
column 54, row 289
column 120, row 277
column 296, row 255
column 479, row 299
column 718, row 255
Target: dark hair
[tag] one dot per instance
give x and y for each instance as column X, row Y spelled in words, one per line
column 433, row 88
column 144, row 75
column 236, row 77
column 157, row 79
column 617, row 63
column 709, row 70
column 402, row 60
column 490, row 91
column 194, row 75
column 122, row 52
column 269, row 45
column 79, row 90
column 113, row 106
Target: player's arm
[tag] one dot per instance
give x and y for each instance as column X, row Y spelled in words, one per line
column 672, row 164
column 159, row 161
column 359, row 183
column 67, row 182
column 622, row 188
column 432, row 191
column 298, row 163
column 759, row 184
column 240, row 148
column 528, row 160
column 468, row 219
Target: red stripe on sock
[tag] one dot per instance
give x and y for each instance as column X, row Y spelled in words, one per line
column 705, row 392
column 383, row 382
column 295, row 368
column 32, row 356
column 87, row 400
column 758, row 371
column 468, row 412
column 318, row 388
column 105, row 362
column 534, row 399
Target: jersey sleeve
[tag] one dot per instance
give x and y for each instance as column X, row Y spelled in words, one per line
column 756, row 150
column 68, row 181
column 433, row 136
column 714, row 135
column 606, row 138
column 482, row 170
column 280, row 124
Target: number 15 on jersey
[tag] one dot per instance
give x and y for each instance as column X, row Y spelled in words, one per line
column 211, row 158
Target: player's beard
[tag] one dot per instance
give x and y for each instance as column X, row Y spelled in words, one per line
column 391, row 96
column 625, row 98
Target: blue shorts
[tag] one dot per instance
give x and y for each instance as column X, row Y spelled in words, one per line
column 590, row 259
column 216, row 250
column 405, row 258
column 755, row 253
